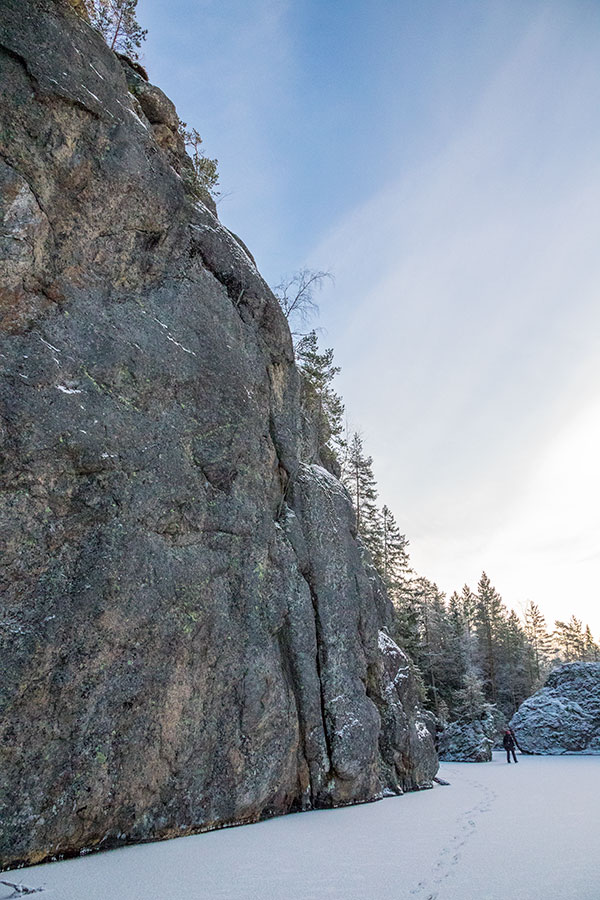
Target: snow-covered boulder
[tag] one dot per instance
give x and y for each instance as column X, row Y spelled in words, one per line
column 564, row 716
column 465, row 741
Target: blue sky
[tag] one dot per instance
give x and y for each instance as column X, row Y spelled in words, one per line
column 442, row 160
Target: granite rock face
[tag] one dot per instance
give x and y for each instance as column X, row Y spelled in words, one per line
column 470, row 741
column 191, row 634
column 564, row 716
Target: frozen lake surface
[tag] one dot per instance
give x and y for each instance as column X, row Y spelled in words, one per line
column 528, row 831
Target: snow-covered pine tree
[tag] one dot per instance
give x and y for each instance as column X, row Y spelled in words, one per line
column 469, row 700
column 430, row 643
column 468, row 602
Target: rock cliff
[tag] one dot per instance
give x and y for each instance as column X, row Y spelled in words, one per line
column 564, row 716
column 191, row 634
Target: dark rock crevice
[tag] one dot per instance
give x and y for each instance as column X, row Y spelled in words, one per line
column 320, row 676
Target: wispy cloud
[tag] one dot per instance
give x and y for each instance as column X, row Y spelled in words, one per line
column 465, row 311
column 467, row 322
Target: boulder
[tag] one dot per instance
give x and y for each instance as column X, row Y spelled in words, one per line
column 564, row 716
column 467, row 741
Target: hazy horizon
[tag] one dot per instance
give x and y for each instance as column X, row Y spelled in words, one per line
column 442, row 161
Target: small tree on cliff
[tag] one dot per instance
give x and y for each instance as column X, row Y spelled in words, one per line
column 116, row 21
column 296, row 295
column 205, row 175
column 324, row 403
column 395, row 559
column 359, row 480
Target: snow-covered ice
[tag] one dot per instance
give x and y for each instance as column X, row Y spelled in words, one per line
column 529, row 831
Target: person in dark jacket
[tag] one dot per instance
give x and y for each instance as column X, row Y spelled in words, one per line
column 509, row 746
column 512, row 731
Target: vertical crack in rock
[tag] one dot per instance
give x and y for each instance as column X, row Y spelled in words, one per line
column 285, row 651
column 323, row 703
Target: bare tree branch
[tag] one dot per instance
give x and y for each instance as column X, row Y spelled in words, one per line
column 19, row 890
column 296, row 293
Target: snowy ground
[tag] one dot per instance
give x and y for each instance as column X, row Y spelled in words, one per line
column 529, row 832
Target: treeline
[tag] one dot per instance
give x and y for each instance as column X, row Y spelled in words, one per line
column 470, row 648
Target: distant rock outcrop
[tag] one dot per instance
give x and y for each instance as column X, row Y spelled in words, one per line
column 468, row 741
column 191, row 633
column 564, row 716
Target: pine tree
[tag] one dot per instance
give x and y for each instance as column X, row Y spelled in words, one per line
column 463, row 609
column 395, row 560
column 539, row 642
column 577, row 637
column 515, row 681
column 469, row 608
column 402, row 589
column 490, row 614
column 407, row 631
column 325, row 405
column 469, row 700
column 426, row 631
column 461, row 650
column 561, row 637
column 205, row 175
column 424, row 639
column 591, row 649
column 428, row 600
column 360, row 482
column 569, row 639
column 116, row 21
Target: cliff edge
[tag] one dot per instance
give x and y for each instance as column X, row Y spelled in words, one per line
column 191, row 634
